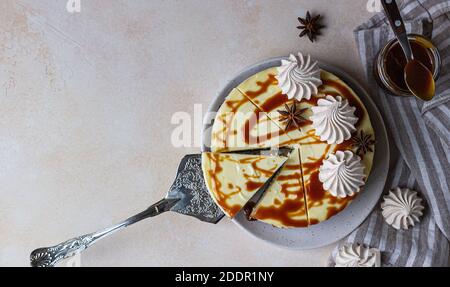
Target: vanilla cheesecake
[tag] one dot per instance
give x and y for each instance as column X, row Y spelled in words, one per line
column 317, row 115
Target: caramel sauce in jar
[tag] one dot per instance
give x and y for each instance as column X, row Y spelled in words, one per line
column 391, row 62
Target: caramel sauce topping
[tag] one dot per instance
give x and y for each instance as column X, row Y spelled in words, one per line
column 250, row 124
column 252, row 186
column 284, row 214
column 275, row 102
column 263, row 87
column 292, row 206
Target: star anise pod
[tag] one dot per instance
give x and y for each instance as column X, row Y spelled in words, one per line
column 363, row 143
column 292, row 116
column 310, row 26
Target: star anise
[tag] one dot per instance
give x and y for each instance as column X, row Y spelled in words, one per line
column 363, row 143
column 292, row 116
column 310, row 26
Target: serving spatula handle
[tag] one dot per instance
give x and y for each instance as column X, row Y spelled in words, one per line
column 50, row 256
column 398, row 26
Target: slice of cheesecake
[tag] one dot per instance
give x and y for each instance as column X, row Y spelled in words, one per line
column 283, row 204
column 321, row 204
column 233, row 179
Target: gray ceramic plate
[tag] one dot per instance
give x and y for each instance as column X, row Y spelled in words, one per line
column 354, row 215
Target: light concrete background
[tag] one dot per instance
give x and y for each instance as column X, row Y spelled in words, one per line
column 86, row 102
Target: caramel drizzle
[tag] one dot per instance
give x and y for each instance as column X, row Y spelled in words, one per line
column 285, row 213
column 275, row 102
column 221, row 197
column 268, row 106
column 292, row 206
column 263, row 87
column 249, row 125
column 227, row 121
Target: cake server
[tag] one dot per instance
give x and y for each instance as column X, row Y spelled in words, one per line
column 188, row 196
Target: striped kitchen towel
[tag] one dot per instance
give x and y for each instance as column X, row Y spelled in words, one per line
column 421, row 134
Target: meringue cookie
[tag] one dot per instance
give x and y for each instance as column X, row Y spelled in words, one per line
column 355, row 255
column 402, row 208
column 299, row 77
column 342, row 174
column 334, row 120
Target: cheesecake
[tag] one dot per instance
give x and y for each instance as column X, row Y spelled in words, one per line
column 320, row 118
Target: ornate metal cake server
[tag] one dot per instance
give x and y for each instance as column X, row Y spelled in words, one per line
column 188, row 196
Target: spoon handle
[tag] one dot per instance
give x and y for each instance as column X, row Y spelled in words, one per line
column 397, row 24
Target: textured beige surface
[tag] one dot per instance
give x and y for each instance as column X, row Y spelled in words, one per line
column 86, row 101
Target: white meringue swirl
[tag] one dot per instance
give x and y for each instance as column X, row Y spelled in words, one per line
column 402, row 208
column 355, row 255
column 299, row 77
column 342, row 174
column 334, row 120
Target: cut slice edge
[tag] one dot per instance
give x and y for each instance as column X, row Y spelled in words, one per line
column 233, row 179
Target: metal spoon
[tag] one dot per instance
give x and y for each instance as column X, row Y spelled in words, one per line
column 418, row 78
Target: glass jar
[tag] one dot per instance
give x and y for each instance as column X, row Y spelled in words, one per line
column 389, row 64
